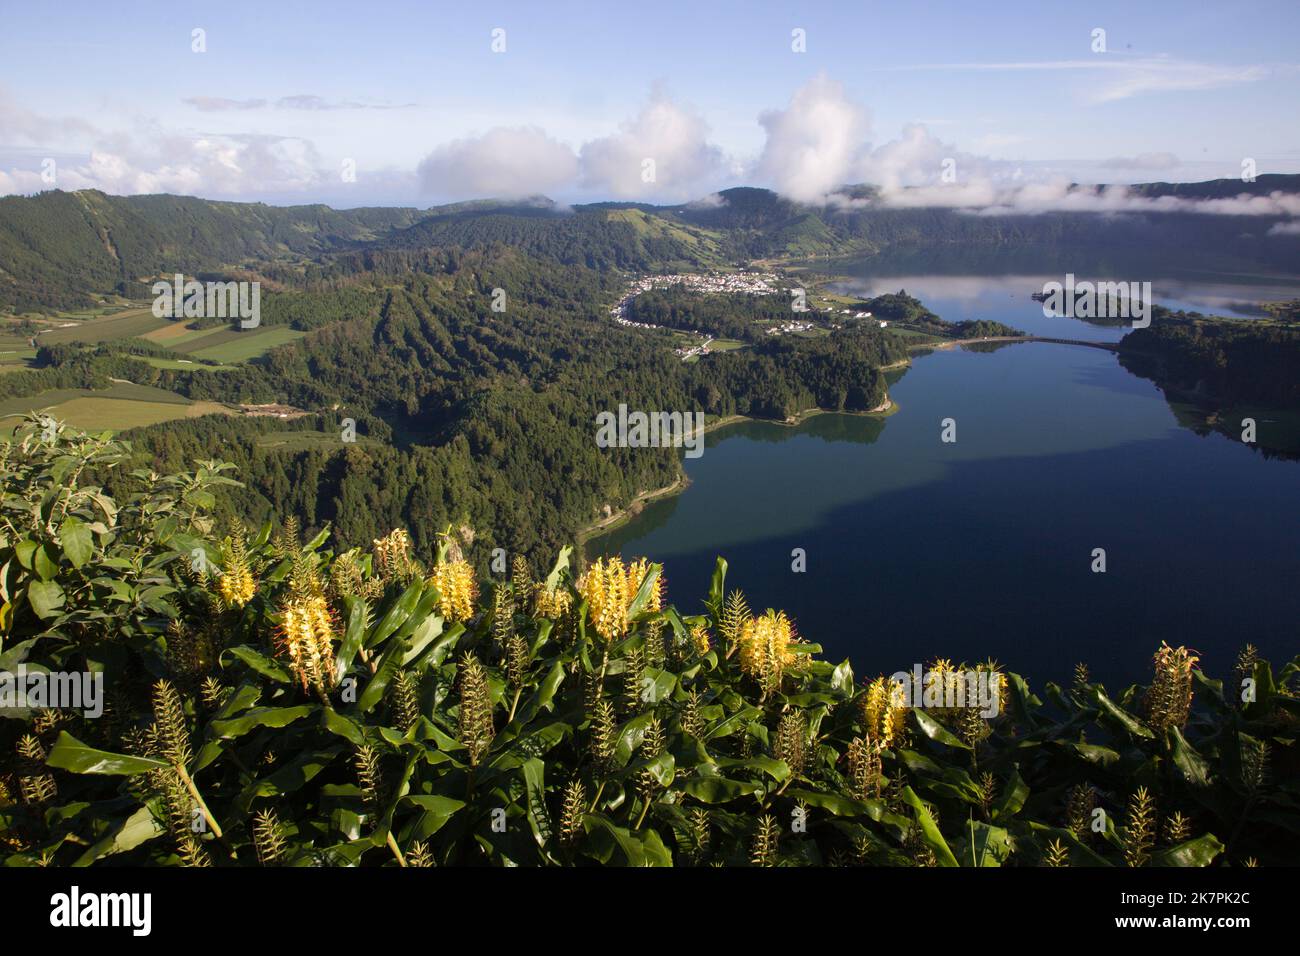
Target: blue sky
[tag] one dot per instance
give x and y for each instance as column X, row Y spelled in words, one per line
column 411, row 94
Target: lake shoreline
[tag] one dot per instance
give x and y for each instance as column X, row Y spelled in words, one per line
column 622, row 516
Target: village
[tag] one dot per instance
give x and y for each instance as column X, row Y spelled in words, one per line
column 747, row 283
column 716, row 283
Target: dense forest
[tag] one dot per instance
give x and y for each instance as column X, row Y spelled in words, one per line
column 1244, row 361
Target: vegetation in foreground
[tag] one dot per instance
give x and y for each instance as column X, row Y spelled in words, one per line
column 274, row 703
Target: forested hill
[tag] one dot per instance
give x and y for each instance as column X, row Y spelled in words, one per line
column 66, row 250
column 757, row 223
column 58, row 250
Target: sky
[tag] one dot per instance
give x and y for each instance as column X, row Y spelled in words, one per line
column 981, row 106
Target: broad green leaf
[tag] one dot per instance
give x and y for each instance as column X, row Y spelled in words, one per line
column 78, row 541
column 69, row 753
column 45, row 598
column 1125, row 719
column 260, row 663
column 929, row 829
column 1198, row 852
column 936, row 731
column 260, row 717
column 138, row 828
column 720, row 789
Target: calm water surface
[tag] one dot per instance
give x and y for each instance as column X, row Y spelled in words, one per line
column 982, row 548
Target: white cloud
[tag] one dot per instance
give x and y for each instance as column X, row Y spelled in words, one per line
column 1168, row 75
column 1125, row 77
column 663, row 153
column 20, row 125
column 505, row 162
column 815, row 143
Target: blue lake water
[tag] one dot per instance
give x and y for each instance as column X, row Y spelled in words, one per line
column 982, row 548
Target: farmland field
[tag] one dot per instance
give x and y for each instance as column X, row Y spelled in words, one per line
column 124, row 325
column 242, row 346
column 118, row 408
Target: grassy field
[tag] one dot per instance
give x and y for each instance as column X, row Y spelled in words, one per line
column 725, row 345
column 295, row 441
column 122, row 325
column 115, row 414
column 242, row 346
column 126, row 405
column 117, row 408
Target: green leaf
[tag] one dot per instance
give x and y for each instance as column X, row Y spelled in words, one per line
column 1190, row 763
column 389, row 665
column 435, row 812
column 839, row 805
column 936, row 731
column 138, row 828
column 539, row 818
column 25, row 552
column 354, row 634
column 397, row 614
column 638, row 849
column 929, row 829
column 720, row 789
column 69, row 753
column 260, row 717
column 561, row 565
column 985, row 845
column 1123, row 717
column 1012, row 798
column 259, row 662
column 45, row 598
column 717, row 587
column 1198, row 852
column 644, row 591
column 78, row 541
column 46, row 568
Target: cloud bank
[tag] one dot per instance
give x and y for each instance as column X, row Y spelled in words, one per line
column 813, row 146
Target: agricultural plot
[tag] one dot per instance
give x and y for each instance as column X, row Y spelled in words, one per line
column 124, row 325
column 117, row 408
column 243, row 346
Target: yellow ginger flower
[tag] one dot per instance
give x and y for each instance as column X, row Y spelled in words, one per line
column 393, row 559
column 457, row 590
column 1169, row 698
column 766, row 647
column 700, row 640
column 609, row 587
column 306, row 639
column 552, row 603
column 236, row 586
column 883, row 711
